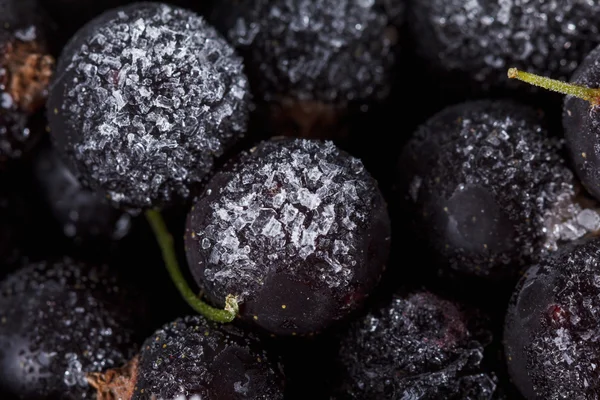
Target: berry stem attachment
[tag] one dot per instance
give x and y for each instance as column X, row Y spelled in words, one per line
column 165, row 241
column 588, row 94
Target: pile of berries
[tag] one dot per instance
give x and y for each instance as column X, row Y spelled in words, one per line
column 299, row 199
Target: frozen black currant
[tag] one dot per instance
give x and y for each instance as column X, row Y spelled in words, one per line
column 309, row 58
column 481, row 39
column 25, row 72
column 419, row 346
column 191, row 359
column 581, row 118
column 59, row 321
column 147, row 96
column 490, row 191
column 296, row 230
column 550, row 335
column 82, row 214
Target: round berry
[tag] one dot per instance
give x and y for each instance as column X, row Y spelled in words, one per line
column 147, row 96
column 417, row 347
column 58, row 322
column 490, row 191
column 191, row 359
column 550, row 329
column 308, row 59
column 296, row 230
column 326, row 51
column 482, row 39
column 25, row 72
column 581, row 123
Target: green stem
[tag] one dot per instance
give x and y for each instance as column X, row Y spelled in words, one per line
column 589, row 94
column 165, row 241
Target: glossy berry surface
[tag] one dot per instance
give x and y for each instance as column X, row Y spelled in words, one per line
column 147, row 96
column 581, row 123
column 324, row 51
column 60, row 321
column 482, row 39
column 82, row 214
column 25, row 73
column 419, row 346
column 196, row 359
column 297, row 230
column 489, row 190
column 550, row 332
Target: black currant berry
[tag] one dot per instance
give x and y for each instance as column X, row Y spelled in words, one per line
column 581, row 123
column 481, row 39
column 25, row 73
column 191, row 359
column 58, row 322
column 489, row 190
column 308, row 58
column 82, row 214
column 580, row 116
column 418, row 347
column 146, row 97
column 296, row 230
column 551, row 327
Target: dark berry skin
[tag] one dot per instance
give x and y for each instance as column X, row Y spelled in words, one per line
column 480, row 40
column 549, row 337
column 297, row 230
column 83, row 215
column 192, row 357
column 581, row 123
column 313, row 50
column 60, row 321
column 25, row 73
column 489, row 190
column 419, row 346
column 147, row 97
column 308, row 60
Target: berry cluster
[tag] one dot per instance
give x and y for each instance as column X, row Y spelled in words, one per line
column 366, row 206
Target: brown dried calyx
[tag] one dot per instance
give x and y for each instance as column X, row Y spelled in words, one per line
column 309, row 119
column 25, row 73
column 117, row 383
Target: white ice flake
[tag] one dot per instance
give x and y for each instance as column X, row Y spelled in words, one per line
column 294, row 203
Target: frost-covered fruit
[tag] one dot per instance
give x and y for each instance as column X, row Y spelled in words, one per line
column 83, row 214
column 307, row 57
column 581, row 124
column 25, row 72
column 194, row 359
column 147, row 96
column 490, row 191
column 481, row 39
column 296, row 229
column 419, row 346
column 550, row 330
column 59, row 321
